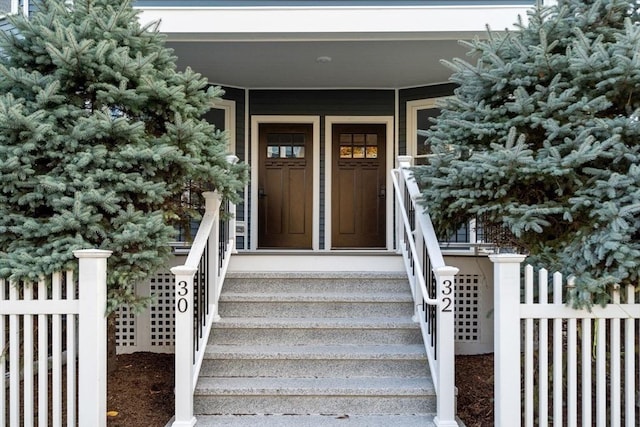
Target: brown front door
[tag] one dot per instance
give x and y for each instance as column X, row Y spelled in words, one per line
column 358, row 181
column 285, row 186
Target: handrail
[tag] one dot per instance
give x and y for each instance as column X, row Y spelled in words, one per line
column 199, row 283
column 432, row 285
column 412, row 244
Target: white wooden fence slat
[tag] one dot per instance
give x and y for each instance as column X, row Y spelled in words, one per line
column 528, row 352
column 14, row 361
column 629, row 366
column 71, row 354
column 3, row 382
column 572, row 373
column 56, row 341
column 586, row 372
column 614, row 374
column 557, row 353
column 543, row 348
column 43, row 368
column 601, row 373
column 28, row 359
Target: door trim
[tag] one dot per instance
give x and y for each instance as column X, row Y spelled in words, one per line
column 255, row 123
column 329, row 121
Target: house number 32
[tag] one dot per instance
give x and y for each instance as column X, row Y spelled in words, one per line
column 447, row 301
column 183, row 304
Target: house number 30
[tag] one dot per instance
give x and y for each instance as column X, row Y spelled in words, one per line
column 183, row 304
column 447, row 301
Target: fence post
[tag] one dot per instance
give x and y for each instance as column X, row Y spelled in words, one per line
column 506, row 316
column 446, row 417
column 92, row 337
column 184, row 346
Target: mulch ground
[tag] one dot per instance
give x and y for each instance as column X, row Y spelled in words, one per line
column 140, row 391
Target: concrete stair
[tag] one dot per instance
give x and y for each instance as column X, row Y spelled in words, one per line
column 315, row 349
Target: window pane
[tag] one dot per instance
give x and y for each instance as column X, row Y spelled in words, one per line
column 286, row 151
column 372, row 152
column 358, row 139
column 345, row 138
column 5, row 7
column 424, row 123
column 358, row 152
column 345, row 151
column 298, row 152
column 273, row 151
column 372, row 139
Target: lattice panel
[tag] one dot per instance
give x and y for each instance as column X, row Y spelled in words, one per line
column 126, row 327
column 161, row 311
column 467, row 319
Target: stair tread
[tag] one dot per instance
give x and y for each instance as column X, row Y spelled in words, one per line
column 415, row 420
column 346, row 351
column 316, row 297
column 392, row 275
column 327, row 322
column 369, row 386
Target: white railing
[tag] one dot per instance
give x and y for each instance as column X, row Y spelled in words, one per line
column 198, row 285
column 432, row 285
column 60, row 320
column 581, row 367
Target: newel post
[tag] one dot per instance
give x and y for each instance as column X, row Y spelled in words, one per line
column 404, row 162
column 233, row 159
column 184, row 346
column 92, row 337
column 446, row 416
column 506, row 268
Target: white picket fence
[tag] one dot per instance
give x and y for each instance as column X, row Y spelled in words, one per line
column 53, row 347
column 573, row 367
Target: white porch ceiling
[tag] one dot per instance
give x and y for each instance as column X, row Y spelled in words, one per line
column 295, row 64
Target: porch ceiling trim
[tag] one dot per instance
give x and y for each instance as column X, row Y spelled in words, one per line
column 424, row 22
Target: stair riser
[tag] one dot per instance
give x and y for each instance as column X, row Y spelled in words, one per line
column 338, row 420
column 295, row 404
column 310, row 336
column 297, row 368
column 315, row 309
column 359, row 286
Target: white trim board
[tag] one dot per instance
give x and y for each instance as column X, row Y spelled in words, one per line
column 255, row 123
column 329, row 121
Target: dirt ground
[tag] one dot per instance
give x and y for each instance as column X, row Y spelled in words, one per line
column 140, row 392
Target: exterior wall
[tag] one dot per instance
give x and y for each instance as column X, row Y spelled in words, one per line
column 322, row 103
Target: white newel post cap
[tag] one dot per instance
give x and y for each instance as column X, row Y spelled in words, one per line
column 507, row 258
column 92, row 253
column 405, row 161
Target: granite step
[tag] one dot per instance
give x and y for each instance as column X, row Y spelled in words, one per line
column 290, row 361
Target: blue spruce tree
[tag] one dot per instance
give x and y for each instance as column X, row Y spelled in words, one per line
column 542, row 137
column 99, row 133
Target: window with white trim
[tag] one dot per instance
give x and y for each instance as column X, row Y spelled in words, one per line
column 419, row 116
column 419, row 119
column 9, row 6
